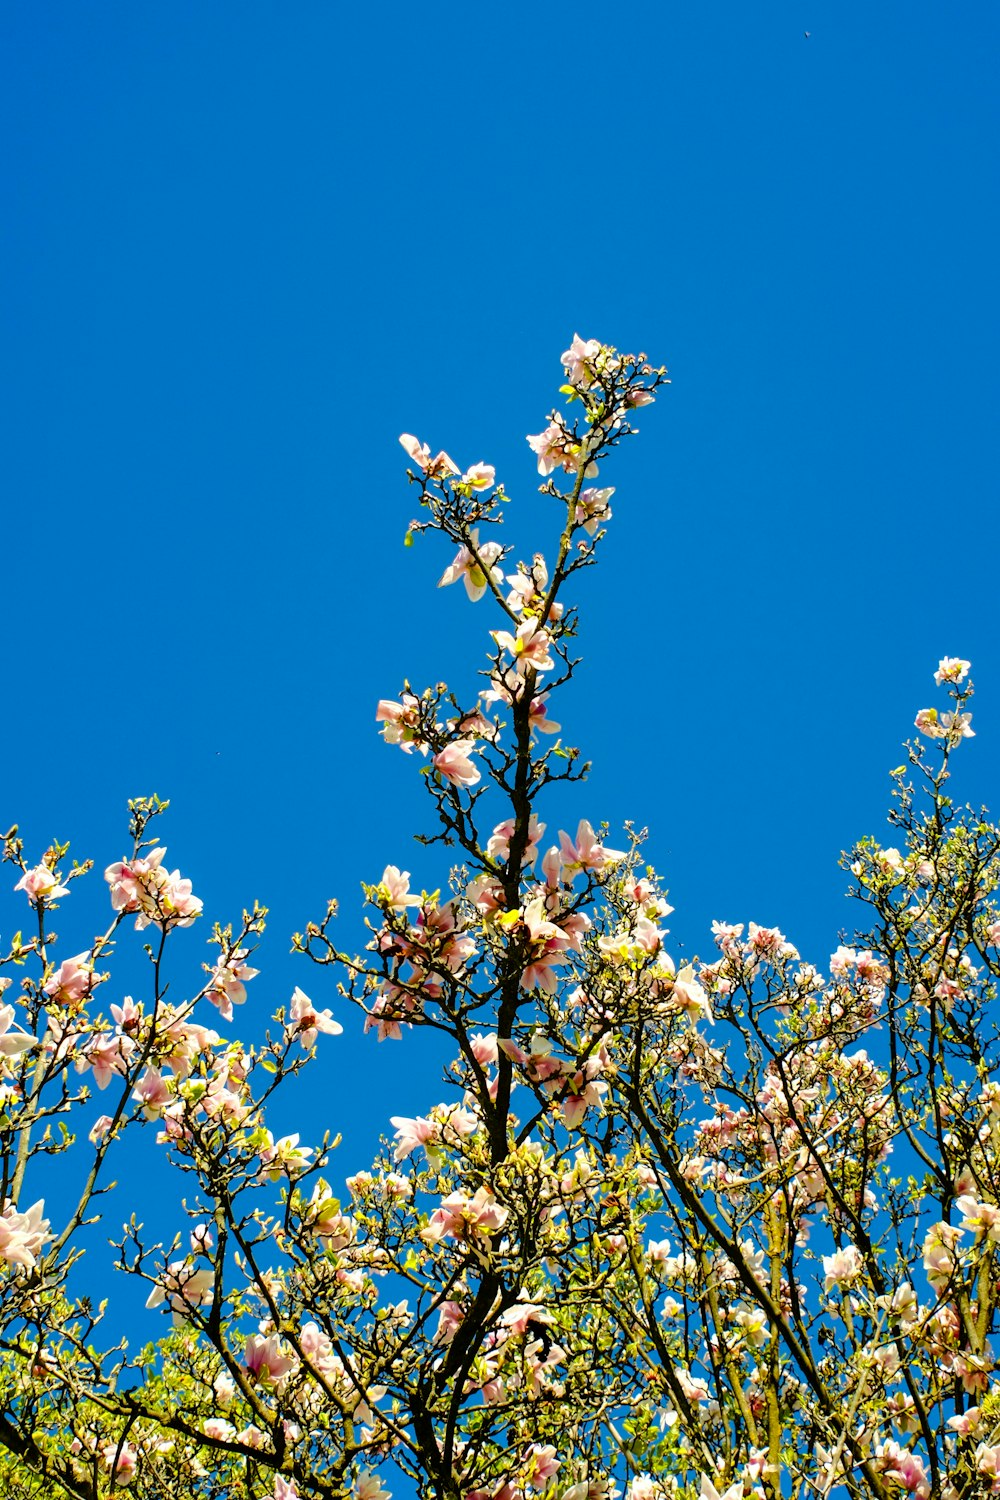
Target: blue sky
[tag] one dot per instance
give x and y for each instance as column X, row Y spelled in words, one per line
column 247, row 245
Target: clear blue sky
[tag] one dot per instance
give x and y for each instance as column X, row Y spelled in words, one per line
column 245, row 245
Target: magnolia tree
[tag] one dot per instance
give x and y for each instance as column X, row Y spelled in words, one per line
column 721, row 1230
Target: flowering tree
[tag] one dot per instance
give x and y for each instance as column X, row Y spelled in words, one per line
column 720, row 1230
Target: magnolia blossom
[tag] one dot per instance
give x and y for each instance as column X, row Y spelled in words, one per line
column 23, row 1235
column 183, row 1287
column 12, row 1043
column 454, row 765
column 939, row 1253
column 120, row 1459
column 229, row 980
column 464, row 1218
column 946, row 726
column 306, row 1022
column 550, row 447
column 951, row 669
column 498, row 844
column 465, row 566
column 451, row 1315
column 547, row 946
column 709, row 1492
column 393, row 890
column 539, row 1465
column 505, row 689
column 529, row 590
column 446, row 1123
column 579, row 361
column 906, row 1468
column 411, row 1133
column 284, row 1489
column 283, row 1156
column 401, row 721
column 265, row 1360
column 439, row 467
column 73, row 981
column 984, row 1218
column 529, row 646
column 152, row 1092
column 157, row 897
column 107, row 1055
column 368, row 1486
column 41, row 885
column 99, row 1129
column 592, row 508
column 478, row 477
column 841, row 1267
column 486, row 893
column 586, row 852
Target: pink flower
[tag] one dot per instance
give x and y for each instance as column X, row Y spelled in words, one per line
column 107, row 1055
column 465, row 566
column 121, row 1460
column 587, row 853
column 438, row 467
column 463, row 1218
column 282, row 1156
column 41, row 885
column 486, row 893
column 906, row 1468
column 143, row 886
column 498, row 844
column 201, row 1240
column 284, row 1489
column 546, row 947
column 393, row 890
column 987, row 1460
column 957, row 727
column 982, row 1217
column 323, row 1218
column 229, row 980
column 951, row 669
column 454, row 765
column 842, row 1267
column 478, row 477
column 550, row 447
column 152, row 1093
column 450, row 1319
column 483, row 1048
column 709, row 1492
column 99, row 1129
column 529, row 589
column 592, row 509
column 505, row 689
column 946, row 726
column 13, row 1043
column 183, row 1287
column 22, row 1235
column 537, row 717
column 368, row 1486
column 529, row 646
column 402, row 723
column 265, row 1361
column 540, row 1464
column 73, row 981
column 579, row 361
column 939, row 1254
column 411, row 1133
column 306, row 1022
